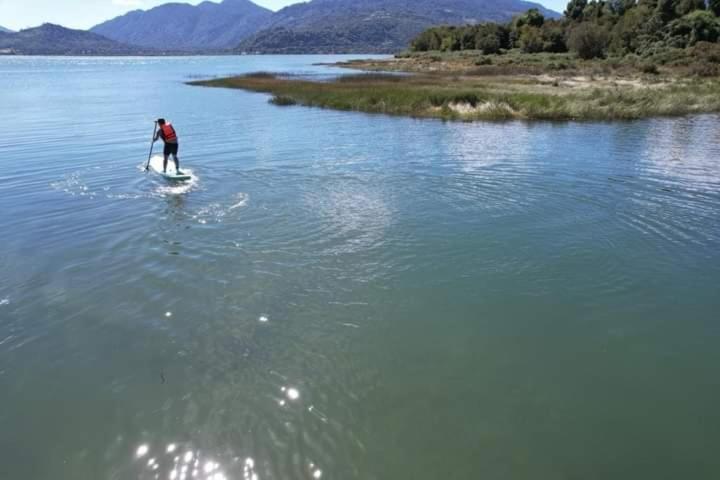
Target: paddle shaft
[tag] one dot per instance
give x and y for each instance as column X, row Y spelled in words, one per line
column 152, row 144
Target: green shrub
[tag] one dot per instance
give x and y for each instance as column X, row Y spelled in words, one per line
column 714, row 6
column 450, row 43
column 487, row 44
column 708, row 52
column 705, row 27
column 626, row 31
column 531, row 40
column 491, row 38
column 705, row 69
column 614, row 63
column 553, row 37
column 469, row 98
column 427, row 41
column 631, row 59
column 684, row 7
column 532, row 17
column 588, row 41
column 283, row 101
column 261, row 75
column 437, row 100
column 698, row 26
column 649, row 68
column 575, row 9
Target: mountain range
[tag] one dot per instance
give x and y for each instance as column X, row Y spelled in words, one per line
column 49, row 39
column 317, row 26
column 371, row 26
column 5, row 30
column 181, row 26
column 240, row 26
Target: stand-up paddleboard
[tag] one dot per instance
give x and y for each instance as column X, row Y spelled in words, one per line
column 156, row 164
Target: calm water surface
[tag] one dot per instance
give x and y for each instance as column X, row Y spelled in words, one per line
column 344, row 296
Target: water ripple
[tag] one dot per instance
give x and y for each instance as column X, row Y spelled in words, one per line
column 337, row 295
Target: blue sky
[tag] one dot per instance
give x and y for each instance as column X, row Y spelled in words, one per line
column 17, row 14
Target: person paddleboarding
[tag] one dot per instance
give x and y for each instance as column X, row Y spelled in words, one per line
column 169, row 136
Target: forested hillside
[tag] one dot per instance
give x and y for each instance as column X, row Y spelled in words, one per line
column 372, row 26
column 644, row 28
column 49, row 39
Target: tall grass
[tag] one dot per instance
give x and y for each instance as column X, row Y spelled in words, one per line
column 482, row 98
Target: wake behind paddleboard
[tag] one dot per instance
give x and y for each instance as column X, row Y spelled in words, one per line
column 156, row 164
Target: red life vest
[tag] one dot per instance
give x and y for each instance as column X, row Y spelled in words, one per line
column 169, row 134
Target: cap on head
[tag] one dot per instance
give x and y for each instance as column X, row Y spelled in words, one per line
column 161, row 121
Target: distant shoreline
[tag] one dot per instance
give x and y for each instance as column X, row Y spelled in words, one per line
column 471, row 86
column 182, row 54
column 144, row 54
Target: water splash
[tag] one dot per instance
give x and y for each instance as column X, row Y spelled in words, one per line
column 216, row 212
column 242, row 200
column 73, row 184
column 170, row 187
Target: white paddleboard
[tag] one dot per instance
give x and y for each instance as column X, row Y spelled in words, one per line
column 156, row 164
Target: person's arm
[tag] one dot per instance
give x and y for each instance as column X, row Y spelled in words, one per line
column 158, row 135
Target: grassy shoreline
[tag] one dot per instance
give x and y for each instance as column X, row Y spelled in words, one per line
column 472, row 87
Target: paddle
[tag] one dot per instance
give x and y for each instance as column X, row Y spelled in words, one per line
column 152, row 144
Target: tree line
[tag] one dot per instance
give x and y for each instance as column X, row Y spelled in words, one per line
column 590, row 29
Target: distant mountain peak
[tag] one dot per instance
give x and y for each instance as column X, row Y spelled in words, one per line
column 52, row 39
column 52, row 27
column 209, row 25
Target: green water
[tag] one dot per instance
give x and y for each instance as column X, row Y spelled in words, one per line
column 344, row 296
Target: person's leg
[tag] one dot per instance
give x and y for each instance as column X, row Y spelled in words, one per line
column 176, row 147
column 167, row 150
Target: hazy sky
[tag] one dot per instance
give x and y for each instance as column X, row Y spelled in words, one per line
column 17, row 14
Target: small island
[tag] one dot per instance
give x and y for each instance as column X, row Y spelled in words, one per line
column 613, row 60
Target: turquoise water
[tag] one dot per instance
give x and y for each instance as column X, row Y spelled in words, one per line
column 345, row 296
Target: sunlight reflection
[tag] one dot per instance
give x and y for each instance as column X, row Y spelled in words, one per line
column 192, row 464
column 293, row 394
column 314, row 471
column 249, row 470
column 184, row 461
column 142, row 451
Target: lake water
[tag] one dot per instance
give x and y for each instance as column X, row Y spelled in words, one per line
column 347, row 296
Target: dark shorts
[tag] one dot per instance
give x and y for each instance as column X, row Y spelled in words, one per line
column 171, row 149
